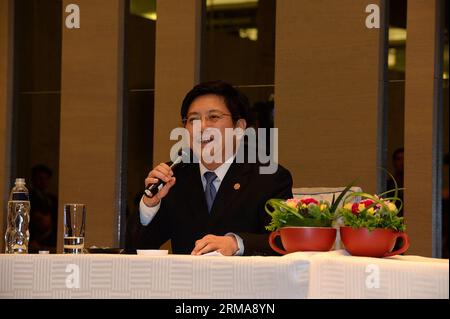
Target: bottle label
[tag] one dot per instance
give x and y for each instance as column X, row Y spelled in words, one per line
column 20, row 196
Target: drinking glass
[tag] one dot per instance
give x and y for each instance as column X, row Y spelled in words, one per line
column 74, row 227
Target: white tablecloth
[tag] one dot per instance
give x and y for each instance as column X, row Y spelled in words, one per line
column 132, row 276
column 332, row 274
column 335, row 274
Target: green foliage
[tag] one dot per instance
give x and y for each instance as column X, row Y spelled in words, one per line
column 306, row 212
column 365, row 220
column 380, row 214
column 335, row 203
column 311, row 215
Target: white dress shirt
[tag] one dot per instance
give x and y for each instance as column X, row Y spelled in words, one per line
column 148, row 213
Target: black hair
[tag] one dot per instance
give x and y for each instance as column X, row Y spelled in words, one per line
column 41, row 168
column 236, row 102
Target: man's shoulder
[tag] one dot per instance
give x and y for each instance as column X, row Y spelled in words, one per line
column 264, row 171
column 275, row 182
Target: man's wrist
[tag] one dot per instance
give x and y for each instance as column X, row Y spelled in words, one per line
column 150, row 201
column 239, row 243
column 236, row 246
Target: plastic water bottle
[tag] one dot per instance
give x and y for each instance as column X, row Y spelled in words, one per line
column 17, row 232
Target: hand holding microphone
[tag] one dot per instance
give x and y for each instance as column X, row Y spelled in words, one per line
column 160, row 175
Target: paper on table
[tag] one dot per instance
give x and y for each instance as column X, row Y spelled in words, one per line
column 212, row 253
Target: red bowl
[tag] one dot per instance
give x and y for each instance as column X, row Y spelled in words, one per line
column 303, row 239
column 376, row 243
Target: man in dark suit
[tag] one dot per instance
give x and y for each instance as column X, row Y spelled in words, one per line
column 212, row 205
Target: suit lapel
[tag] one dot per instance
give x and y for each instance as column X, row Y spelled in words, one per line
column 197, row 201
column 234, row 181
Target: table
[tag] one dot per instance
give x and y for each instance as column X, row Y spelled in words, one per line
column 299, row 275
column 133, row 276
column 336, row 274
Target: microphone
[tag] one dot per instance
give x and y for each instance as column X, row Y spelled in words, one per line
column 152, row 189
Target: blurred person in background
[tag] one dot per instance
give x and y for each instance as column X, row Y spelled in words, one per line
column 44, row 211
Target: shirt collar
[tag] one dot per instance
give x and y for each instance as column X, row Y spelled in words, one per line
column 220, row 171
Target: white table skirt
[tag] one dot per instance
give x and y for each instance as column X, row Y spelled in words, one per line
column 172, row 276
column 337, row 275
column 332, row 274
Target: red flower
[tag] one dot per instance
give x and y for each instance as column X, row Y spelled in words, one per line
column 355, row 207
column 308, row 201
column 367, row 202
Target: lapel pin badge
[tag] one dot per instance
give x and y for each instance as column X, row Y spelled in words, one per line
column 237, row 186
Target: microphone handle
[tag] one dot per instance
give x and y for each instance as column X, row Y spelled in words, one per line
column 152, row 189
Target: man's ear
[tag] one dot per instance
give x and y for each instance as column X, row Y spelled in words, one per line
column 241, row 123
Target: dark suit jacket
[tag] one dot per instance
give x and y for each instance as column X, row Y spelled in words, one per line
column 238, row 207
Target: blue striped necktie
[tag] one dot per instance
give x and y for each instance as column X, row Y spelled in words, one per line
column 210, row 190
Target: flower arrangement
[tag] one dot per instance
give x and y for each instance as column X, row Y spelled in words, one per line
column 305, row 212
column 373, row 211
column 298, row 212
column 372, row 225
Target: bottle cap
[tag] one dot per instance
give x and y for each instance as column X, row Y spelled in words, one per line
column 20, row 180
